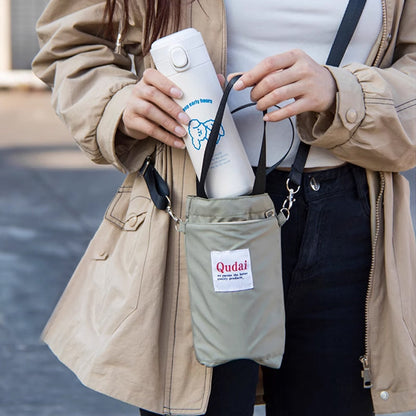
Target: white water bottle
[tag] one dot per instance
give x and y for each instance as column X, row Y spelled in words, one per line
column 184, row 59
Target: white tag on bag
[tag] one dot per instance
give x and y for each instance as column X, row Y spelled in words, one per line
column 231, row 270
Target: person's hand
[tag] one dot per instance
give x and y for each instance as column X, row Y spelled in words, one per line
column 152, row 111
column 290, row 75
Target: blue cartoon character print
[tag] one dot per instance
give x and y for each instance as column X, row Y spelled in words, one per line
column 200, row 131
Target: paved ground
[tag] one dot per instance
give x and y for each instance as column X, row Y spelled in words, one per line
column 51, row 201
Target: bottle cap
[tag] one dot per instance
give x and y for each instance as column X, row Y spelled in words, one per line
column 179, row 51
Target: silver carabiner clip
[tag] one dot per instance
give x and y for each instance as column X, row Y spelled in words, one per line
column 288, row 202
column 174, row 217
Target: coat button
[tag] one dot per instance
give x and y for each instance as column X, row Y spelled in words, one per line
column 351, row 115
column 132, row 222
column 101, row 255
column 384, row 395
column 314, row 184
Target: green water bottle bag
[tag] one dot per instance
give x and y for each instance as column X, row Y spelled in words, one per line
column 233, row 255
column 234, row 268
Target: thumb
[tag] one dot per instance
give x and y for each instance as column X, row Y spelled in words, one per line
column 221, row 79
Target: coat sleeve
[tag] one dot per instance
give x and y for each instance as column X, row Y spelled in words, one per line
column 374, row 123
column 90, row 82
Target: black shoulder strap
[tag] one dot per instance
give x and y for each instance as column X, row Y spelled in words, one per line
column 342, row 39
column 345, row 31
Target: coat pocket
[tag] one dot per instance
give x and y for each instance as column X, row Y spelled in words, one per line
column 118, row 256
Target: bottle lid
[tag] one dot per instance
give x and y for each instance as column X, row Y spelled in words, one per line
column 189, row 38
column 179, row 51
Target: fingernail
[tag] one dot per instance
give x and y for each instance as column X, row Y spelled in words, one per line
column 180, row 131
column 179, row 144
column 176, row 92
column 184, row 118
column 266, row 118
column 239, row 85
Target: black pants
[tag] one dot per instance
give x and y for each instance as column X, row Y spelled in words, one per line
column 326, row 249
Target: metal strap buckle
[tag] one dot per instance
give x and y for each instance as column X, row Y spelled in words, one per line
column 174, row 217
column 145, row 165
column 288, row 202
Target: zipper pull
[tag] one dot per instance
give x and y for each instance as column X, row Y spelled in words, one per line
column 366, row 373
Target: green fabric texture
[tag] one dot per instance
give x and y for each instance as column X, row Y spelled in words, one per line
column 235, row 323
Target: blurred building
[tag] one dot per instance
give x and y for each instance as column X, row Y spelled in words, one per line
column 18, row 41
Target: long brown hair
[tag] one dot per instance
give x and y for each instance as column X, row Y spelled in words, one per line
column 159, row 14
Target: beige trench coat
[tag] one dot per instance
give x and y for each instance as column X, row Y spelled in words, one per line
column 123, row 323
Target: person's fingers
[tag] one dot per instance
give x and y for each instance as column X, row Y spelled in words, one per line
column 139, row 127
column 280, row 95
column 265, row 67
column 156, row 98
column 152, row 111
column 289, row 110
column 153, row 77
column 221, row 79
column 273, row 81
column 290, row 75
column 154, row 114
column 231, row 76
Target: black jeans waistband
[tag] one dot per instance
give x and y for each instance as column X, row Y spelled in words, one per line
column 323, row 183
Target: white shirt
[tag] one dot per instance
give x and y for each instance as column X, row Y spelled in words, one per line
column 261, row 28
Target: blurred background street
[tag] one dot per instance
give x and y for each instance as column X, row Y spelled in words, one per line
column 52, row 200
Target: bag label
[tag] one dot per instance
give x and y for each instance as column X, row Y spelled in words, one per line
column 231, row 270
